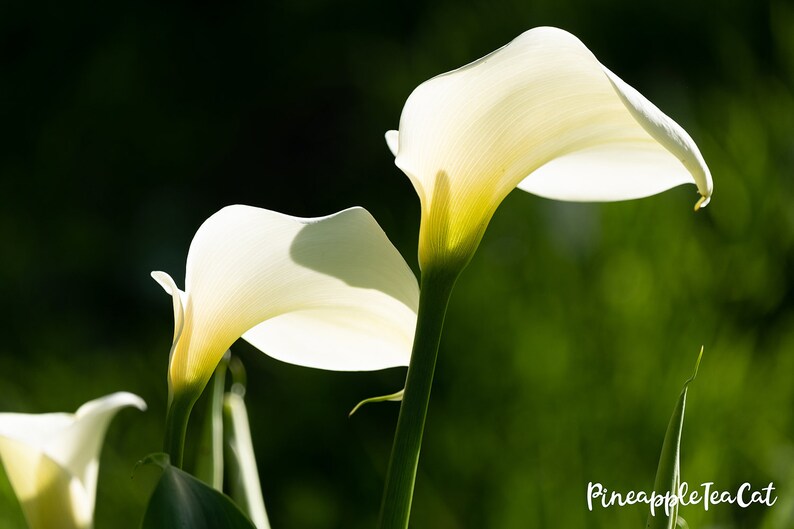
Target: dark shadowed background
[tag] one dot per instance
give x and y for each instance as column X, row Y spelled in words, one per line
column 123, row 125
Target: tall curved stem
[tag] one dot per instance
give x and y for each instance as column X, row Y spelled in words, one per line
column 436, row 287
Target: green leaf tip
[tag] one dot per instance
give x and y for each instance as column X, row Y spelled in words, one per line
column 392, row 397
column 697, row 366
column 158, row 459
column 239, row 376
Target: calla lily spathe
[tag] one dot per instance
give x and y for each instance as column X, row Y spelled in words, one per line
column 330, row 292
column 541, row 114
column 52, row 460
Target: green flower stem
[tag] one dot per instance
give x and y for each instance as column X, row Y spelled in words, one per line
column 397, row 496
column 176, row 427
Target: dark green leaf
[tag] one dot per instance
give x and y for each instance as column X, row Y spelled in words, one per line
column 181, row 501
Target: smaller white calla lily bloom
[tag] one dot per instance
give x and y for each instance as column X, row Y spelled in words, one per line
column 52, row 460
column 330, row 293
column 541, row 114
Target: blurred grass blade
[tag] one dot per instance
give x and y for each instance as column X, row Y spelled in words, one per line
column 209, row 457
column 668, row 473
column 182, row 501
column 244, row 486
column 393, row 397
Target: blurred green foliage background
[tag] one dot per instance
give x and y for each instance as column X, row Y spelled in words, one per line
column 125, row 124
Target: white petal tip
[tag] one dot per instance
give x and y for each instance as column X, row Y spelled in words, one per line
column 165, row 281
column 133, row 400
column 393, row 141
column 123, row 399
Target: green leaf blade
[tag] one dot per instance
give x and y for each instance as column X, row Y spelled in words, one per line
column 181, row 501
column 668, row 473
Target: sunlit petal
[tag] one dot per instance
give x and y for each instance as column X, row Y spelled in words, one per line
column 329, row 292
column 52, row 460
column 542, row 114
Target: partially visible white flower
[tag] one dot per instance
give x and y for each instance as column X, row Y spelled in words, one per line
column 52, row 460
column 541, row 114
column 329, row 292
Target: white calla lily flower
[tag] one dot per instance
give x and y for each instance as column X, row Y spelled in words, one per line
column 52, row 460
column 330, row 293
column 541, row 114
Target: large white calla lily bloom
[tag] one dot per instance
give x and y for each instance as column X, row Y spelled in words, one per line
column 541, row 114
column 52, row 460
column 330, row 292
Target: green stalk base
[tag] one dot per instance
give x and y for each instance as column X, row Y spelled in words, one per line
column 176, row 428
